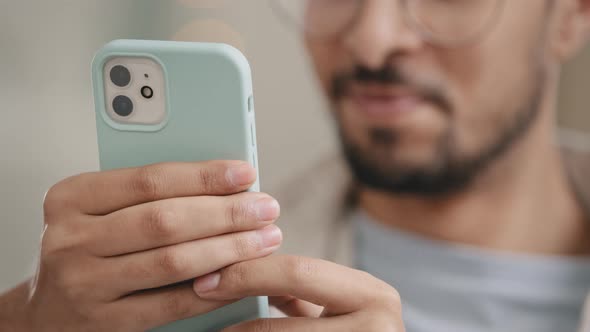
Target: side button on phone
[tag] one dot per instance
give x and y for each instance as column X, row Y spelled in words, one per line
column 250, row 103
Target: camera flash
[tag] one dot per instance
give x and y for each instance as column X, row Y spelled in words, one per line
column 147, row 92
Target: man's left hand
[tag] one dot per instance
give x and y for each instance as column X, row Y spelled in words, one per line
column 316, row 294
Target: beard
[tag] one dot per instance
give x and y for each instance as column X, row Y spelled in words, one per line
column 449, row 171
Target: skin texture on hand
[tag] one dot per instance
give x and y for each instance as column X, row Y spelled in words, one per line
column 120, row 247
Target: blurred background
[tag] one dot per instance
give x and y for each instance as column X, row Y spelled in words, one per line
column 47, row 127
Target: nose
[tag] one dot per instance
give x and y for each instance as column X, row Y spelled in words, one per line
column 381, row 33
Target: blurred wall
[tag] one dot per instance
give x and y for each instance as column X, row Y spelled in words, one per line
column 47, row 128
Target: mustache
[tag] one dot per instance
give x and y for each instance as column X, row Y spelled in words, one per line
column 389, row 76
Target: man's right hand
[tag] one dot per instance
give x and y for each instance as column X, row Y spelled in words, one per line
column 115, row 241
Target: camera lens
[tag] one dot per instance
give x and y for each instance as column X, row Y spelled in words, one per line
column 120, row 76
column 147, row 92
column 123, row 106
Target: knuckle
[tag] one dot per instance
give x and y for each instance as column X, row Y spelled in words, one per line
column 392, row 300
column 55, row 200
column 238, row 274
column 236, row 214
column 387, row 297
column 170, row 262
column 148, row 181
column 393, row 297
column 388, row 293
column 161, row 221
column 300, row 268
column 59, row 239
column 207, row 179
column 244, row 245
column 174, row 306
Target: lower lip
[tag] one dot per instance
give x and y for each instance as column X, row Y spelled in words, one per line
column 387, row 107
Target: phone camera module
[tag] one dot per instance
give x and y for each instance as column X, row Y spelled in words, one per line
column 147, row 92
column 123, row 106
column 120, row 76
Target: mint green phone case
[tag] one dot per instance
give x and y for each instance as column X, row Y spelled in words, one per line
column 210, row 116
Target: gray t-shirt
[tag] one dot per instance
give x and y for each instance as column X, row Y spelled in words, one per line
column 456, row 288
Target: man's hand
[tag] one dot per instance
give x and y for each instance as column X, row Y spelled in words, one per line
column 115, row 241
column 318, row 295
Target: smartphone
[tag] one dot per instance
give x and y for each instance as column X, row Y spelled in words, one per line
column 160, row 101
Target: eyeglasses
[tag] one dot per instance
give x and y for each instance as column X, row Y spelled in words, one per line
column 442, row 22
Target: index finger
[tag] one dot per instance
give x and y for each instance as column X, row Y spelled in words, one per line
column 339, row 289
column 101, row 193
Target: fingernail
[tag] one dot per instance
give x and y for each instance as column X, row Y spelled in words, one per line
column 267, row 209
column 207, row 283
column 270, row 236
column 241, row 174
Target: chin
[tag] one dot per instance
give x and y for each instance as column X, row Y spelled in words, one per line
column 389, row 142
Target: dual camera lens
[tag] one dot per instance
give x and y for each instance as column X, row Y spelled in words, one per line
column 121, row 77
